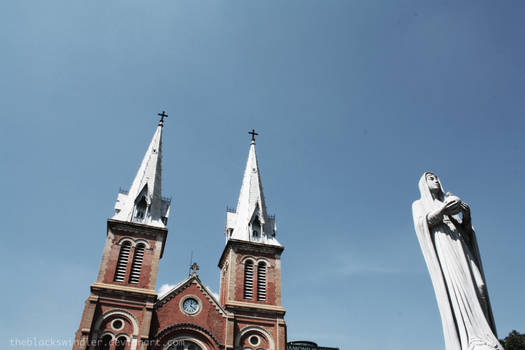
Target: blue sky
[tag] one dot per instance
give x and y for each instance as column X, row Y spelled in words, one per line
column 353, row 100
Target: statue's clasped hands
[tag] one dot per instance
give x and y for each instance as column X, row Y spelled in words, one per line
column 453, row 205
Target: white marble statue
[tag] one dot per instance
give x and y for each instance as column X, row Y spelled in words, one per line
column 444, row 229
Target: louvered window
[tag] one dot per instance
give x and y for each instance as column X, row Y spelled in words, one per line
column 122, row 262
column 137, row 264
column 248, row 280
column 261, row 281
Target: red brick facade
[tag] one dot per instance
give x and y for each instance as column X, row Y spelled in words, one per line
column 131, row 303
column 130, row 316
column 124, row 312
column 263, row 318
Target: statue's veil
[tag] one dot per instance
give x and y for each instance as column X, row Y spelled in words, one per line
column 420, row 208
column 426, row 240
column 426, row 195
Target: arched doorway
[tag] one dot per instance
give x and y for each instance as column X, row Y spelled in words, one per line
column 185, row 344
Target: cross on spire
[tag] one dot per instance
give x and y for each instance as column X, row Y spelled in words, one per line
column 253, row 133
column 162, row 116
column 194, row 268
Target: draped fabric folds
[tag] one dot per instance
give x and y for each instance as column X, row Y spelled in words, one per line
column 454, row 264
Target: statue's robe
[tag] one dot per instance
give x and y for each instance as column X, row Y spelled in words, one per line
column 454, row 264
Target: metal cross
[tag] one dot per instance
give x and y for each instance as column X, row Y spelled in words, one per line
column 194, row 268
column 253, row 133
column 162, row 116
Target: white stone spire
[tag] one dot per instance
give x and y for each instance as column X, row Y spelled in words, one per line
column 250, row 222
column 143, row 203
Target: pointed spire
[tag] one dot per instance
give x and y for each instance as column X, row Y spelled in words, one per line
column 250, row 221
column 143, row 203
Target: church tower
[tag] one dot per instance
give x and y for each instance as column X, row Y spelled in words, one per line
column 118, row 312
column 250, row 282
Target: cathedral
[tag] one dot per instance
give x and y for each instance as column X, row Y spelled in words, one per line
column 123, row 310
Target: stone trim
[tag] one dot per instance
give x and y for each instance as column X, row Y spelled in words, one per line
column 211, row 298
column 267, row 320
column 126, row 314
column 172, row 294
column 134, row 242
column 128, row 338
column 191, row 326
column 255, row 329
column 126, row 228
column 123, row 288
column 249, row 246
column 255, row 306
column 135, row 227
column 191, row 339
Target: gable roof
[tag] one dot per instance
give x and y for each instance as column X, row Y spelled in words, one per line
column 179, row 288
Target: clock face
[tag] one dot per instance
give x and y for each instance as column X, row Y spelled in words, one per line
column 190, row 305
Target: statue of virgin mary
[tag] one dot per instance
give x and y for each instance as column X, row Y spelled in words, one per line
column 448, row 242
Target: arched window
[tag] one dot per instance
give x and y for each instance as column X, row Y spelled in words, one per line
column 248, row 279
column 261, row 281
column 122, row 262
column 193, row 346
column 136, row 265
column 183, row 344
column 121, row 343
column 105, row 342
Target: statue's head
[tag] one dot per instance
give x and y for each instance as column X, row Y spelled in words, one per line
column 433, row 182
column 430, row 186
